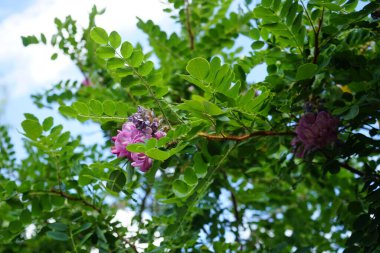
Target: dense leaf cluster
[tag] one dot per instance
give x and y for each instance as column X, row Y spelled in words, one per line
column 225, row 177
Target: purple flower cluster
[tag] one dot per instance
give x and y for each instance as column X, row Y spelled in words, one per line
column 315, row 131
column 141, row 126
column 145, row 120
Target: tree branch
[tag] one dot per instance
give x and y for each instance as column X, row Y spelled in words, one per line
column 143, row 202
column 353, row 170
column 68, row 197
column 235, row 207
column 77, row 199
column 316, row 38
column 243, row 137
column 188, row 25
column 126, row 241
column 308, row 17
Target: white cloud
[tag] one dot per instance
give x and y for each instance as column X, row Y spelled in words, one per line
column 26, row 69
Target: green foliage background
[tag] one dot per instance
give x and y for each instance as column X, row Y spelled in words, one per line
column 226, row 167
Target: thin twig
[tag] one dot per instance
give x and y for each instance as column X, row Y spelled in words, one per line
column 126, row 241
column 143, row 202
column 243, row 137
column 68, row 197
column 353, row 170
column 77, row 199
column 72, row 241
column 235, row 207
column 316, row 38
column 308, row 17
column 131, row 245
column 188, row 25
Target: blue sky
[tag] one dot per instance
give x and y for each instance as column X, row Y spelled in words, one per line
column 7, row 7
column 26, row 71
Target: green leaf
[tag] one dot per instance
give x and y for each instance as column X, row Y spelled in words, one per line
column 190, row 177
column 115, row 63
column 15, row 226
column 28, row 40
column 146, row 68
column 115, row 39
column 105, row 52
column 306, row 71
column 352, row 113
column 58, row 236
column 123, row 72
column 43, row 38
column 83, row 228
column 30, row 116
column 254, row 34
column 96, row 107
column 81, row 108
column 63, row 139
column 47, row 123
column 180, row 188
column 157, row 154
column 257, row 45
column 198, row 68
column 54, row 56
column 262, row 12
column 116, row 181
column 211, row 108
column 58, row 226
column 126, row 49
column 85, row 238
column 99, row 35
column 200, row 167
column 109, row 107
column 32, row 128
column 137, row 147
column 26, row 217
column 136, row 58
column 68, row 111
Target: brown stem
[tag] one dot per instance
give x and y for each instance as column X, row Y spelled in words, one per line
column 131, row 245
column 308, row 16
column 83, row 201
column 353, row 170
column 126, row 241
column 143, row 202
column 316, row 38
column 243, row 137
column 188, row 25
column 235, row 208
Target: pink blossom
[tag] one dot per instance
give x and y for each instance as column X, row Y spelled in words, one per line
column 130, row 134
column 159, row 134
column 141, row 160
column 86, row 82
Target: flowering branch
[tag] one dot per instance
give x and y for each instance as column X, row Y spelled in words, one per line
column 220, row 137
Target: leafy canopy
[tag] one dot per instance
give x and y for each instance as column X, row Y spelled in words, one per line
column 225, row 178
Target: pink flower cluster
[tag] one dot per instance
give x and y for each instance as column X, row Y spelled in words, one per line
column 315, row 131
column 130, row 134
column 86, row 82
